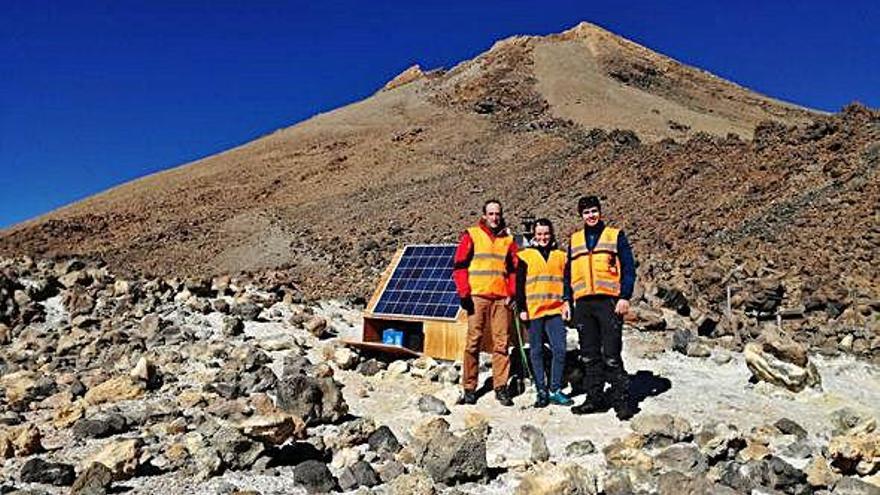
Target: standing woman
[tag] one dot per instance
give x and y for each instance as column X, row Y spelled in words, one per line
column 539, row 295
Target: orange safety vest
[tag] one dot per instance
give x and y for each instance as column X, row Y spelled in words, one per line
column 487, row 272
column 544, row 282
column 595, row 272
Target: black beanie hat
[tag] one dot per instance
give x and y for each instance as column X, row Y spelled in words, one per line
column 588, row 202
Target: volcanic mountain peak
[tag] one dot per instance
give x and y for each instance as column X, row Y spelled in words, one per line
column 535, row 121
column 413, row 73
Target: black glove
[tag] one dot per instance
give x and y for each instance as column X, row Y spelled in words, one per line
column 467, row 304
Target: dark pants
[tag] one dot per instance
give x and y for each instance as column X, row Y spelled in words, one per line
column 554, row 330
column 600, row 335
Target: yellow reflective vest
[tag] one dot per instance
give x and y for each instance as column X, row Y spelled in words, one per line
column 487, row 272
column 544, row 282
column 595, row 272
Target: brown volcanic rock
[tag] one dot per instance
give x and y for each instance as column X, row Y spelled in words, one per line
column 531, row 122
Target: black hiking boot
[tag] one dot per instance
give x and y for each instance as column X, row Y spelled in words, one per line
column 469, row 397
column 502, row 397
column 624, row 410
column 592, row 404
column 543, row 399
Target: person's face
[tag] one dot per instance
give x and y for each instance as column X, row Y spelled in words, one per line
column 542, row 235
column 591, row 216
column 492, row 215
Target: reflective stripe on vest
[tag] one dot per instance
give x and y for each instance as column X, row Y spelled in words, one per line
column 487, row 272
column 595, row 272
column 544, row 282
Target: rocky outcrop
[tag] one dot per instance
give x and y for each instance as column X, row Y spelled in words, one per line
column 779, row 360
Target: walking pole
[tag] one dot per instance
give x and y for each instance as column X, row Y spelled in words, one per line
column 522, row 351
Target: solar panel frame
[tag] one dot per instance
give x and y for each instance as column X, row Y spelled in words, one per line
column 419, row 289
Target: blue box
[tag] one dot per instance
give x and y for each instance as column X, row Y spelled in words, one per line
column 392, row 336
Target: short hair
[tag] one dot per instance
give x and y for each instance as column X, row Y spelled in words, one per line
column 588, row 202
column 489, row 202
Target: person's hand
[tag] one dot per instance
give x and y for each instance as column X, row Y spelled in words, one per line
column 508, row 301
column 566, row 311
column 467, row 304
column 622, row 307
column 524, row 315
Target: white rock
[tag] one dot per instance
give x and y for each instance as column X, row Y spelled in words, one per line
column 398, row 367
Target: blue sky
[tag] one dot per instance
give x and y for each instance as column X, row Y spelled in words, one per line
column 93, row 94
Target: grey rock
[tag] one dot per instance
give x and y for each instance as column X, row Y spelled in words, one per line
column 432, row 405
column 246, row 310
column 675, row 483
column 391, row 470
column 95, row 480
column 537, row 443
column 359, row 474
column 316, row 400
column 351, row 433
column 855, row 486
column 719, row 442
column 369, row 367
column 261, row 380
column 37, row 470
column 684, row 458
column 848, row 421
column 680, row 340
column 314, row 476
column 617, row 482
column 698, row 350
column 232, row 326
column 448, row 458
column 236, row 450
column 789, row 427
column 799, row 449
column 580, row 448
column 661, row 430
column 783, row 476
column 384, row 441
column 100, row 426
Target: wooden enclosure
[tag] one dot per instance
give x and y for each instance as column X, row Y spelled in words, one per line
column 439, row 338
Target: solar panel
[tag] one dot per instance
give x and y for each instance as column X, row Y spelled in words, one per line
column 421, row 285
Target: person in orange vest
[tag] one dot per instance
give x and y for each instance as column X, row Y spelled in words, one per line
column 484, row 271
column 540, row 283
column 601, row 275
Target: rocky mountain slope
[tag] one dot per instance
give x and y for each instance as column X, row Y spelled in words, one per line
column 234, row 386
column 718, row 187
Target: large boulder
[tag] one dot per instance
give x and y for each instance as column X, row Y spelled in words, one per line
column 121, row 456
column 661, row 430
column 37, row 470
column 779, row 360
column 20, row 441
column 314, row 476
column 315, row 400
column 122, row 387
column 94, row 480
column 446, row 457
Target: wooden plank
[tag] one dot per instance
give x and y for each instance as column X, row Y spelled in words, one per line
column 378, row 346
column 383, row 280
column 445, row 340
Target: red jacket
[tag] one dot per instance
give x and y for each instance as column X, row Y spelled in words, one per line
column 465, row 252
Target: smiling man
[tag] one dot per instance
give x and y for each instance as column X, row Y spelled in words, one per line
column 484, row 270
column 601, row 275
